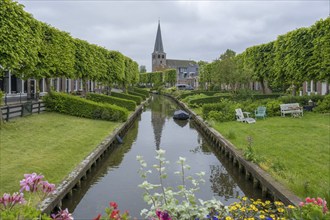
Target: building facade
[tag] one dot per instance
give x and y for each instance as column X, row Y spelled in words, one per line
column 187, row 70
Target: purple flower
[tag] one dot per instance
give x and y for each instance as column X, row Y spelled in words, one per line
column 30, row 182
column 47, row 187
column 7, row 201
column 62, row 215
column 163, row 215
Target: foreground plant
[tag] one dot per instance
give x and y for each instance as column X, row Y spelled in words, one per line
column 179, row 203
column 15, row 206
column 113, row 213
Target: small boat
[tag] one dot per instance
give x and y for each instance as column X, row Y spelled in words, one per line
column 181, row 115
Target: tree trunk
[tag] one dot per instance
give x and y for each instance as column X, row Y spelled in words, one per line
column 262, row 83
column 48, row 89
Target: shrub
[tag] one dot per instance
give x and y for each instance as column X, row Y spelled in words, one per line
column 302, row 100
column 142, row 91
column 137, row 94
column 222, row 111
column 210, row 99
column 76, row 106
column 323, row 106
column 128, row 104
column 135, row 98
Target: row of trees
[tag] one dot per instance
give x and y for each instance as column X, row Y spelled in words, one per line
column 298, row 56
column 158, row 78
column 30, row 48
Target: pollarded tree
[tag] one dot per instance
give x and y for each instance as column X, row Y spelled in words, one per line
column 19, row 38
column 56, row 55
column 259, row 59
column 135, row 73
column 320, row 65
column 170, row 76
column 115, row 69
column 157, row 78
column 130, row 72
column 243, row 74
column 84, row 62
column 100, row 63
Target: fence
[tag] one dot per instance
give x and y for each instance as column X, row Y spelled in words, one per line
column 20, row 110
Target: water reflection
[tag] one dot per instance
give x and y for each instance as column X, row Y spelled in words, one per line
column 222, row 183
column 116, row 179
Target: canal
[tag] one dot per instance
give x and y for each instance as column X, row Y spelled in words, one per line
column 116, row 178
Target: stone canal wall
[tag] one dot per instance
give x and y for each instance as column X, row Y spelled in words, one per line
column 73, row 180
column 259, row 178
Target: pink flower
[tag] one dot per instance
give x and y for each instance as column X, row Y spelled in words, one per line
column 8, row 201
column 114, row 205
column 30, row 182
column 301, row 204
column 47, row 187
column 62, row 215
column 98, row 217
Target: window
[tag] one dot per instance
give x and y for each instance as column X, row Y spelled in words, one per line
column 163, row 56
column 158, row 56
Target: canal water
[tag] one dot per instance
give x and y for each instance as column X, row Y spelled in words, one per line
column 116, row 178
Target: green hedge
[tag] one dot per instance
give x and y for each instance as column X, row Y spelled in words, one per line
column 302, row 100
column 195, row 92
column 137, row 94
column 128, row 104
column 76, row 106
column 139, row 90
column 323, row 106
column 211, row 99
column 135, row 98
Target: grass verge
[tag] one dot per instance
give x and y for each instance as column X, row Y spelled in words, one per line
column 295, row 151
column 49, row 143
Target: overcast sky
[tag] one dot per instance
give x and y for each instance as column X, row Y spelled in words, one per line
column 196, row 30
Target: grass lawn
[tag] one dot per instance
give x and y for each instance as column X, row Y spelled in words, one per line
column 49, row 143
column 295, row 151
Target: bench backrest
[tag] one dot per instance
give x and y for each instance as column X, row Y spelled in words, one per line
column 289, row 106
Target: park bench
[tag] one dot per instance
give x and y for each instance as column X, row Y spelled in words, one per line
column 291, row 108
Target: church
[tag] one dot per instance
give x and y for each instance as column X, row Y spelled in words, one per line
column 187, row 70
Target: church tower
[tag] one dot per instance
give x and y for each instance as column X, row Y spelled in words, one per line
column 158, row 56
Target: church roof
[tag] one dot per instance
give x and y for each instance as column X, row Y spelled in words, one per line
column 180, row 63
column 159, row 43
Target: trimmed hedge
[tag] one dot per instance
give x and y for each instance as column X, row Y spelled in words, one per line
column 76, row 106
column 195, row 92
column 128, row 104
column 211, row 99
column 302, row 100
column 135, row 98
column 139, row 90
column 137, row 94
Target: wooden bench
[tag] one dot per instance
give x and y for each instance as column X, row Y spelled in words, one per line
column 291, row 108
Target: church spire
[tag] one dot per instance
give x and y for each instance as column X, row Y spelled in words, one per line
column 159, row 43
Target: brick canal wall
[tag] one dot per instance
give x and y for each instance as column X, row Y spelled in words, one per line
column 258, row 177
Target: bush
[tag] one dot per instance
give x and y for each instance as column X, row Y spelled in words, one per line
column 222, row 111
column 135, row 98
column 144, row 97
column 139, row 90
column 323, row 106
column 76, row 106
column 302, row 100
column 128, row 104
column 211, row 99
